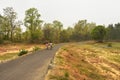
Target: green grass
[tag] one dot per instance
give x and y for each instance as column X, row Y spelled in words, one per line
column 114, row 45
column 8, row 56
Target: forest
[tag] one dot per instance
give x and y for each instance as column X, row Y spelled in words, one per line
column 37, row 31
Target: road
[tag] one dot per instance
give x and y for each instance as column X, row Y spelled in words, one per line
column 30, row 67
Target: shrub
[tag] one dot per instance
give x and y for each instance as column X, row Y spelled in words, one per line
column 109, row 45
column 1, row 41
column 22, row 52
column 35, row 48
column 66, row 74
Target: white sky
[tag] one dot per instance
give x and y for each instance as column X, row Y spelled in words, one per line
column 68, row 11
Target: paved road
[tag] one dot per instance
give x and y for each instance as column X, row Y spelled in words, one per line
column 30, row 67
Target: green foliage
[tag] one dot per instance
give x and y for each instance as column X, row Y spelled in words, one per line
column 66, row 74
column 113, row 32
column 1, row 41
column 98, row 33
column 48, row 31
column 10, row 16
column 52, row 31
column 58, row 26
column 109, row 44
column 35, row 48
column 10, row 29
column 64, row 36
column 22, row 52
column 33, row 24
column 82, row 30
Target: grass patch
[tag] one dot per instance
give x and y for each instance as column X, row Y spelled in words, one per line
column 106, row 68
column 115, row 58
column 96, row 76
column 36, row 48
column 59, row 60
column 7, row 56
column 64, row 76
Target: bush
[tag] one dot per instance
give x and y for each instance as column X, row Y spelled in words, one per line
column 36, row 48
column 66, row 74
column 109, row 45
column 1, row 41
column 22, row 52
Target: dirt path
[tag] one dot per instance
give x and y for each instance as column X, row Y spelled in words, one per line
column 30, row 67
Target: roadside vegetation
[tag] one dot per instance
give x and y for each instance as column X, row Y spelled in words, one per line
column 11, row 51
column 86, row 61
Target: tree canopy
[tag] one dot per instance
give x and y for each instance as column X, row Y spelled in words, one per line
column 38, row 31
column 98, row 33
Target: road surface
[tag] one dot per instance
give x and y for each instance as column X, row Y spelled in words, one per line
column 29, row 67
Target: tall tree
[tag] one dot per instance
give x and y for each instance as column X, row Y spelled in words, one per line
column 48, row 32
column 58, row 26
column 99, row 33
column 10, row 16
column 33, row 23
column 64, row 36
column 1, row 29
column 110, row 32
column 18, row 31
column 80, row 29
column 117, row 31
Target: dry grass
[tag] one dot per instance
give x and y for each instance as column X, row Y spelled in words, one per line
column 10, row 51
column 84, row 61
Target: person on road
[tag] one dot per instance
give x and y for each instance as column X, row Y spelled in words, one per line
column 47, row 45
column 51, row 45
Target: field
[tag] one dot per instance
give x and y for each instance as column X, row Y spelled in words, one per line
column 10, row 51
column 86, row 61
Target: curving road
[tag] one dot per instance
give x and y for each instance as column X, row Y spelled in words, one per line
column 30, row 67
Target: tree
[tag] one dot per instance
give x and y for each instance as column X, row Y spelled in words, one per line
column 10, row 17
column 1, row 29
column 48, row 32
column 80, row 30
column 64, row 36
column 33, row 23
column 70, row 33
column 110, row 35
column 98, row 33
column 58, row 26
column 18, row 31
column 117, row 31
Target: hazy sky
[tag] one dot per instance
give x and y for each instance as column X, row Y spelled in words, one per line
column 68, row 11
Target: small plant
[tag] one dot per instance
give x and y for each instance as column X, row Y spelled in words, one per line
column 109, row 45
column 66, row 74
column 22, row 52
column 1, row 41
column 36, row 48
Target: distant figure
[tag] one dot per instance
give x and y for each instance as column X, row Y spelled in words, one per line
column 51, row 45
column 47, row 45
